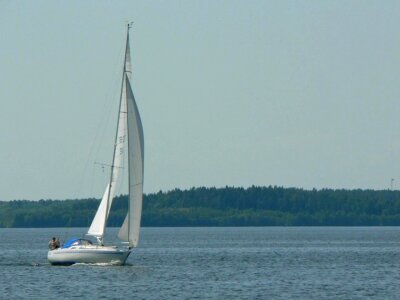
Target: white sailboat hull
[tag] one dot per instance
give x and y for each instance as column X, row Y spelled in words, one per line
column 88, row 254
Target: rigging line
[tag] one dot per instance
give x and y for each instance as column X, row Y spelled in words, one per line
column 103, row 121
column 96, row 140
column 110, row 109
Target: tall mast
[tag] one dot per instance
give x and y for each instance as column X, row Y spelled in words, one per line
column 124, row 71
column 127, row 132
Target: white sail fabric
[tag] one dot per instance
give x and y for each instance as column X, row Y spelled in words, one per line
column 131, row 227
column 129, row 130
column 97, row 228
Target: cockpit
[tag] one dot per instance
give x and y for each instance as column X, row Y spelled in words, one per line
column 77, row 242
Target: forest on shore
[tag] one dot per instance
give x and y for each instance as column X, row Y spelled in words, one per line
column 229, row 206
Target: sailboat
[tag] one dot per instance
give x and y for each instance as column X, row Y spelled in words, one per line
column 128, row 140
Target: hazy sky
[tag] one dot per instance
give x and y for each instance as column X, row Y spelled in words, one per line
column 289, row 93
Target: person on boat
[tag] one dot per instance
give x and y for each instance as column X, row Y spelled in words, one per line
column 53, row 244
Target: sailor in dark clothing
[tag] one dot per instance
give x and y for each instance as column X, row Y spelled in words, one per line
column 53, row 244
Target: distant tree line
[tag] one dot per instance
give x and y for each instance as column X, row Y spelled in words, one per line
column 229, row 206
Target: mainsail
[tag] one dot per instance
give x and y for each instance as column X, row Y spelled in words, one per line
column 129, row 128
column 131, row 226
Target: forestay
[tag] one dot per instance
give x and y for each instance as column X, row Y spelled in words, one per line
column 98, row 225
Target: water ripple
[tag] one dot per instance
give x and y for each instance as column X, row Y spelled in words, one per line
column 214, row 263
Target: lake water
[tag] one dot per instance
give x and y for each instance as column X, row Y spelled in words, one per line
column 213, row 263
